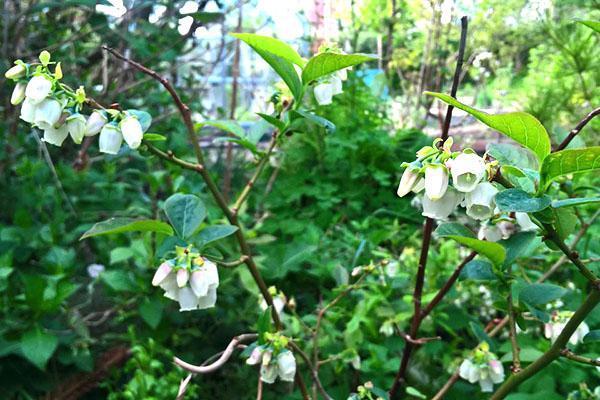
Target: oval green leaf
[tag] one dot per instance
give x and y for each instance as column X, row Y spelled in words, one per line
column 325, row 63
column 519, row 126
column 518, row 200
column 216, row 232
column 570, row 161
column 119, row 225
column 185, row 212
column 492, row 251
column 272, row 45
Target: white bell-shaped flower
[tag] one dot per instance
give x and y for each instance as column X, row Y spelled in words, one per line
column 442, row 208
column 558, row 321
column 487, row 373
column 76, row 125
column 15, row 72
column 182, row 277
column 489, row 232
column 419, row 185
column 255, row 356
column 56, row 136
column 38, row 88
column 408, row 180
column 343, row 74
column 468, row 169
column 95, row 123
column 204, row 281
column 480, row 202
column 268, row 373
column 286, row 365
column 47, row 113
column 161, row 273
column 323, row 93
column 525, row 222
column 132, row 131
column 336, row 84
column 18, row 94
column 507, row 228
column 436, row 181
column 28, row 111
column 110, row 139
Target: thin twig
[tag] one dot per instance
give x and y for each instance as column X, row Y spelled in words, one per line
column 232, row 264
column 456, row 80
column 580, row 359
column 313, row 371
column 448, row 285
column 197, row 369
column 169, row 156
column 577, row 129
column 516, row 365
column 261, row 165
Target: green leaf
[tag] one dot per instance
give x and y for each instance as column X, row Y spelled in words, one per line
column 120, row 254
column 518, row 200
column 322, row 122
column 517, row 245
column 277, row 123
column 540, row 293
column 565, row 222
column 415, row 393
column 241, row 142
column 154, row 137
column 228, row 126
column 325, row 63
column 279, row 56
column 264, row 325
column 592, row 336
column 595, row 25
column 522, row 127
column 119, row 225
column 38, row 346
column 478, row 270
column 143, row 117
column 272, row 45
column 453, row 228
column 510, row 154
column 492, row 251
column 216, row 232
column 570, row 161
column 34, row 286
column 574, row 202
column 527, row 354
column 185, row 212
column 151, row 311
column 206, row 17
column 118, row 280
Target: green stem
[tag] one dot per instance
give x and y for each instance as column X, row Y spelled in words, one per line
column 555, row 350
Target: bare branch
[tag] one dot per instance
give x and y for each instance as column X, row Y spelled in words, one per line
column 196, row 369
column 577, row 129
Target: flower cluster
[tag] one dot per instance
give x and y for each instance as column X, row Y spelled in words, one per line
column 274, row 359
column 450, row 179
column 50, row 105
column 189, row 278
column 558, row 321
column 483, row 367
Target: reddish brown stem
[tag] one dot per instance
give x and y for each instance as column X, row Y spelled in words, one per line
column 577, row 129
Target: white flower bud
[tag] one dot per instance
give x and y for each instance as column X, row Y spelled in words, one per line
column 15, row 72
column 525, row 222
column 408, row 180
column 95, row 123
column 323, row 93
column 56, row 136
column 255, row 356
column 18, row 94
column 38, row 88
column 419, row 185
column 47, row 113
column 286, row 364
column 132, row 131
column 343, row 74
column 28, row 111
column 110, row 139
column 442, row 208
column 268, row 373
column 468, row 169
column 161, row 273
column 436, row 181
column 480, row 202
column 76, row 125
